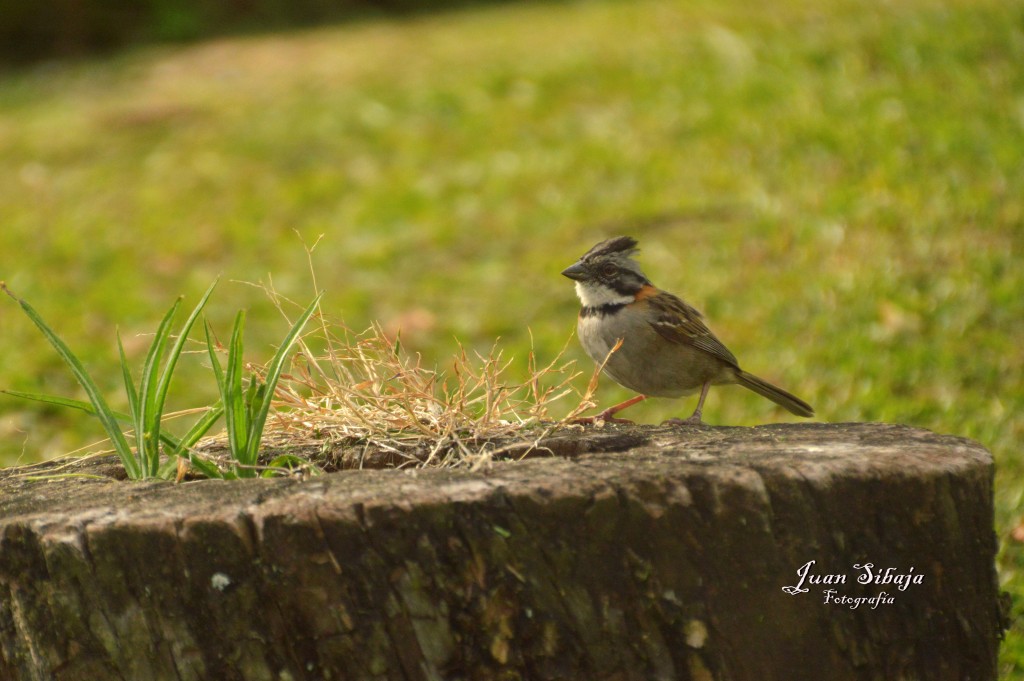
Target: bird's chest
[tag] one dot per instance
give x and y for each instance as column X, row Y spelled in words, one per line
column 626, row 366
column 598, row 335
column 644, row 362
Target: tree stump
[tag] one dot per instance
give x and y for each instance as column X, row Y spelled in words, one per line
column 783, row 552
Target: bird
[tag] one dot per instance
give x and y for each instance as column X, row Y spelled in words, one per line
column 651, row 341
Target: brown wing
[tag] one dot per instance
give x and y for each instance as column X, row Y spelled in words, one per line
column 678, row 322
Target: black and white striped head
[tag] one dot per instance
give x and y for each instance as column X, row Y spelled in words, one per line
column 606, row 275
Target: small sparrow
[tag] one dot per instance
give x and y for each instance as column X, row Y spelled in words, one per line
column 666, row 349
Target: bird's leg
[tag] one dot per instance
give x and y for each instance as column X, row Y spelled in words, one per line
column 608, row 414
column 694, row 419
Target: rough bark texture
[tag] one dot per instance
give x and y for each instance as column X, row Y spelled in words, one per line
column 663, row 556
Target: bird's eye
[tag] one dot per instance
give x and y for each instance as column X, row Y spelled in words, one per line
column 608, row 269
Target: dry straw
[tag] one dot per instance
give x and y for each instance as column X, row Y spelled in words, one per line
column 358, row 399
column 355, row 400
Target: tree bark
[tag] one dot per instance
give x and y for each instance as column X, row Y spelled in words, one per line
column 638, row 553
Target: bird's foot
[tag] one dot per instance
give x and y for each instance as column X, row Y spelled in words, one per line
column 692, row 421
column 603, row 417
column 607, row 416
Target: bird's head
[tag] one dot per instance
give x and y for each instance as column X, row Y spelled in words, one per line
column 607, row 274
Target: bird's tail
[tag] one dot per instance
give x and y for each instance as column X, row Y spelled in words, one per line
column 777, row 395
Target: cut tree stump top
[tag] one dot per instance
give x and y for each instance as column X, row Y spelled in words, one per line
column 635, row 552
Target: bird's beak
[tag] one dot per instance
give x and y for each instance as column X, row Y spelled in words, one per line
column 575, row 272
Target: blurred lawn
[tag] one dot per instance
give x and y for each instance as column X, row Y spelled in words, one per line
column 838, row 185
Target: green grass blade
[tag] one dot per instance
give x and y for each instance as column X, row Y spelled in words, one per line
column 234, row 398
column 262, row 408
column 176, row 350
column 129, row 382
column 208, row 469
column 149, row 410
column 167, row 470
column 252, row 392
column 198, row 430
column 81, row 405
column 218, row 371
column 288, row 461
column 182, row 449
column 249, row 396
column 103, row 412
column 169, row 440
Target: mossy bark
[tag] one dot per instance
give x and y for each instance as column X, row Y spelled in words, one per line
column 663, row 560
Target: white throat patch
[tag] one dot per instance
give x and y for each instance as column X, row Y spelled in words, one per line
column 597, row 295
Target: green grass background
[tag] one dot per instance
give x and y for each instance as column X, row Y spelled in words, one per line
column 839, row 185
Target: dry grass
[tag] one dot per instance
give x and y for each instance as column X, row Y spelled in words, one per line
column 363, row 391
column 354, row 400
column 361, row 401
